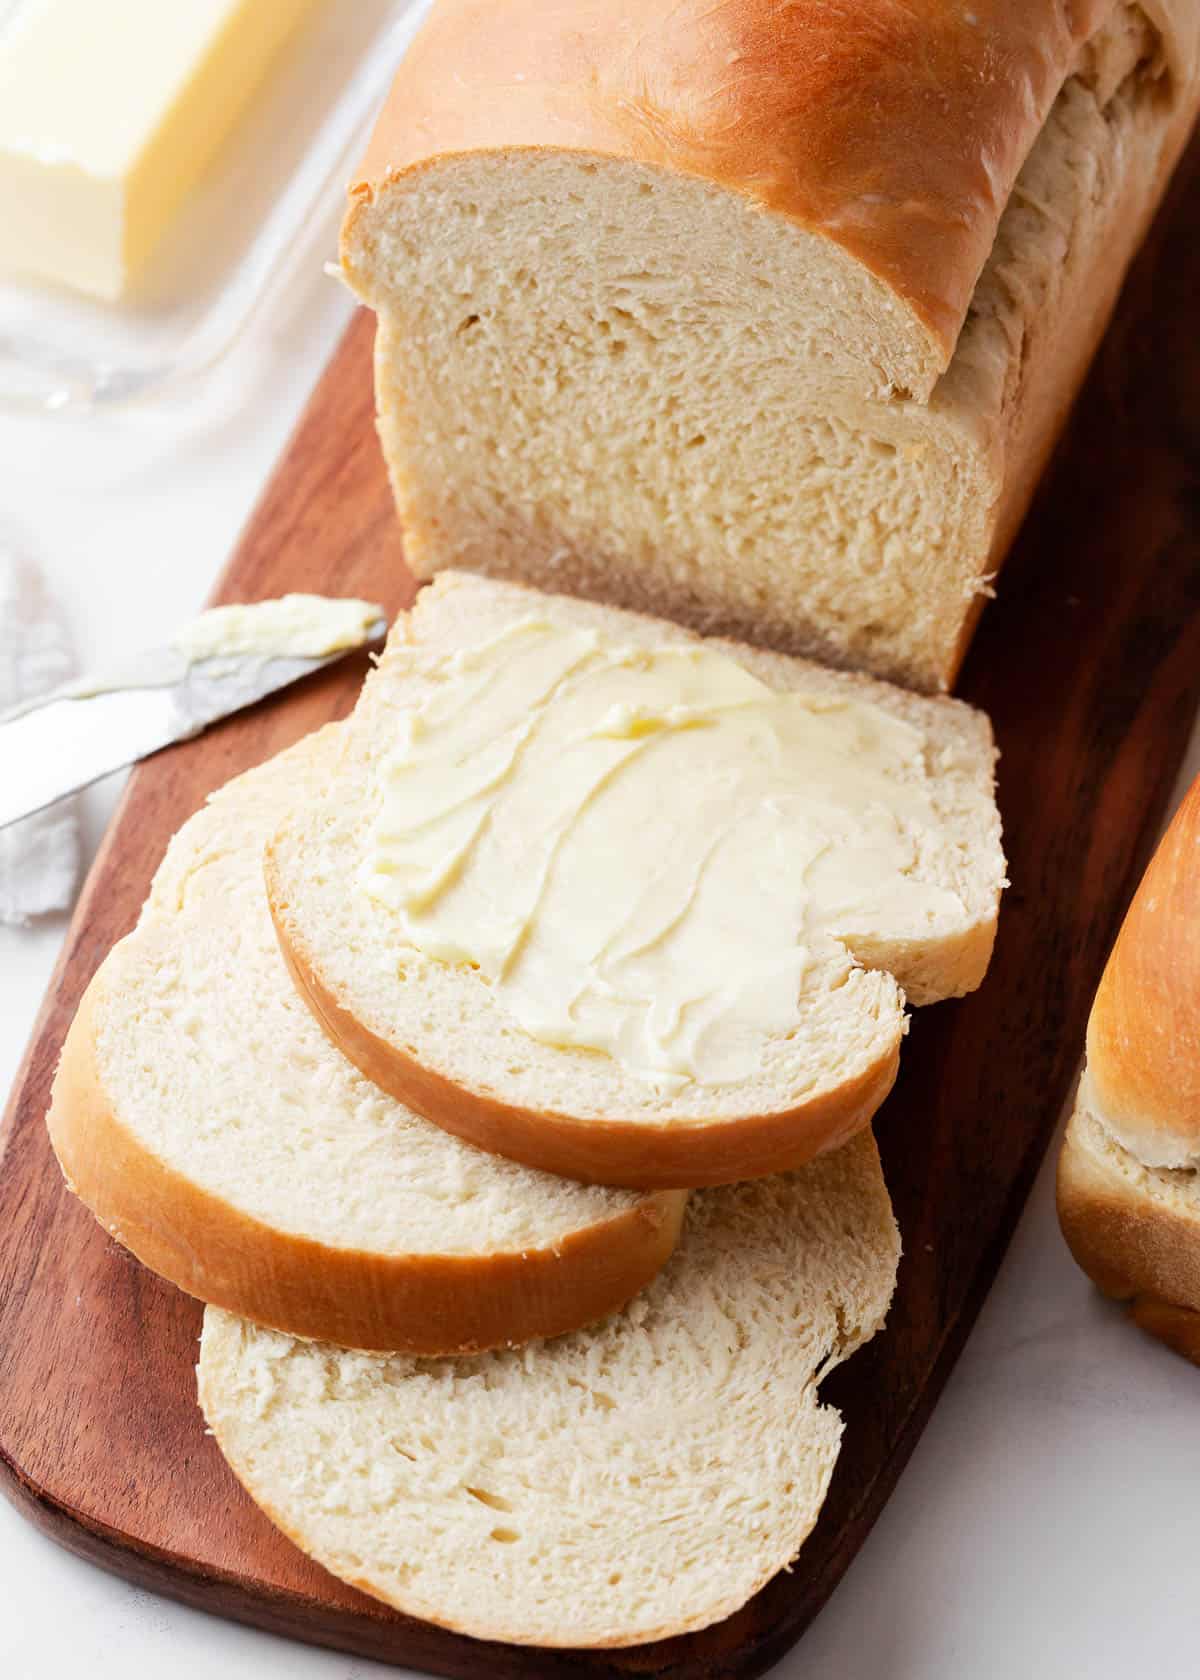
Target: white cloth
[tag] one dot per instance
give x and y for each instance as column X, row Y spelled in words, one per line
column 39, row 857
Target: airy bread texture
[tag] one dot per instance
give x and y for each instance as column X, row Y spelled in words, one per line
column 212, row 1129
column 433, row 1034
column 1128, row 1190
column 622, row 1484
column 763, row 318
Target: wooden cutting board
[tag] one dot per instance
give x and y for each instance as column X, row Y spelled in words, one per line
column 1090, row 666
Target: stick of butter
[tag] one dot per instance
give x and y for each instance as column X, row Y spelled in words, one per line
column 109, row 112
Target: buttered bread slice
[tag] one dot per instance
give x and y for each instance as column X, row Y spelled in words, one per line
column 630, row 905
column 203, row 1117
column 625, row 1483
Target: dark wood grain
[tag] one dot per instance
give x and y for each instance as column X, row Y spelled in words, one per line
column 1090, row 666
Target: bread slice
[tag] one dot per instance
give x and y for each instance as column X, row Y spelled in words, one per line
column 434, row 1034
column 719, row 313
column 625, row 1483
column 212, row 1129
column 1129, row 1170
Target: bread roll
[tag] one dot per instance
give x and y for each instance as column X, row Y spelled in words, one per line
column 1128, row 1193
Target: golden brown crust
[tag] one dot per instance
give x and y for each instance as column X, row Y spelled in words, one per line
column 894, row 129
column 1061, row 343
column 407, row 1303
column 1134, row 1247
column 1132, row 1224
column 637, row 1154
column 1177, row 1327
column 1144, row 1031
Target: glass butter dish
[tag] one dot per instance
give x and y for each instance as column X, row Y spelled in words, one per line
column 266, row 210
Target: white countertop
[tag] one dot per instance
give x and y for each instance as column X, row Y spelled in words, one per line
column 1047, row 1524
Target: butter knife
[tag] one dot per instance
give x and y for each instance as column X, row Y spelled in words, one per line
column 73, row 735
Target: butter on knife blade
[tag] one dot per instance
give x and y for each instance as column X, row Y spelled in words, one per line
column 223, row 661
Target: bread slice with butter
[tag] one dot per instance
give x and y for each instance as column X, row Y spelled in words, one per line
column 202, row 1116
column 621, row 1484
column 629, row 905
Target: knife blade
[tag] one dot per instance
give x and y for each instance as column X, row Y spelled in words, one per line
column 66, row 739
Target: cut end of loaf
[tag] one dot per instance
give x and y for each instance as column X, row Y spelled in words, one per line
column 851, row 327
column 633, row 386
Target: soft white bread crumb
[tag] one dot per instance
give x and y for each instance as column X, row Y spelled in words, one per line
column 202, row 1115
column 621, row 1484
column 434, row 1034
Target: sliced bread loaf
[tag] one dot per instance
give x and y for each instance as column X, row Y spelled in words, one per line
column 621, row 1484
column 432, row 1026
column 209, row 1125
column 763, row 316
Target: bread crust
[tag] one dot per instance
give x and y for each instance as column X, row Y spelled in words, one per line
column 895, row 131
column 1129, row 1214
column 1143, row 1043
column 636, row 1154
column 406, row 1303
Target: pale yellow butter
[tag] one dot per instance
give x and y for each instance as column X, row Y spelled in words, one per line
column 300, row 626
column 109, row 112
column 648, row 853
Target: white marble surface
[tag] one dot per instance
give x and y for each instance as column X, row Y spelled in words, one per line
column 1047, row 1525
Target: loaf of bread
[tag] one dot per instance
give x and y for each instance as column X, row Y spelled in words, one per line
column 203, row 1117
column 760, row 317
column 620, row 1484
column 1128, row 1193
column 434, row 1032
